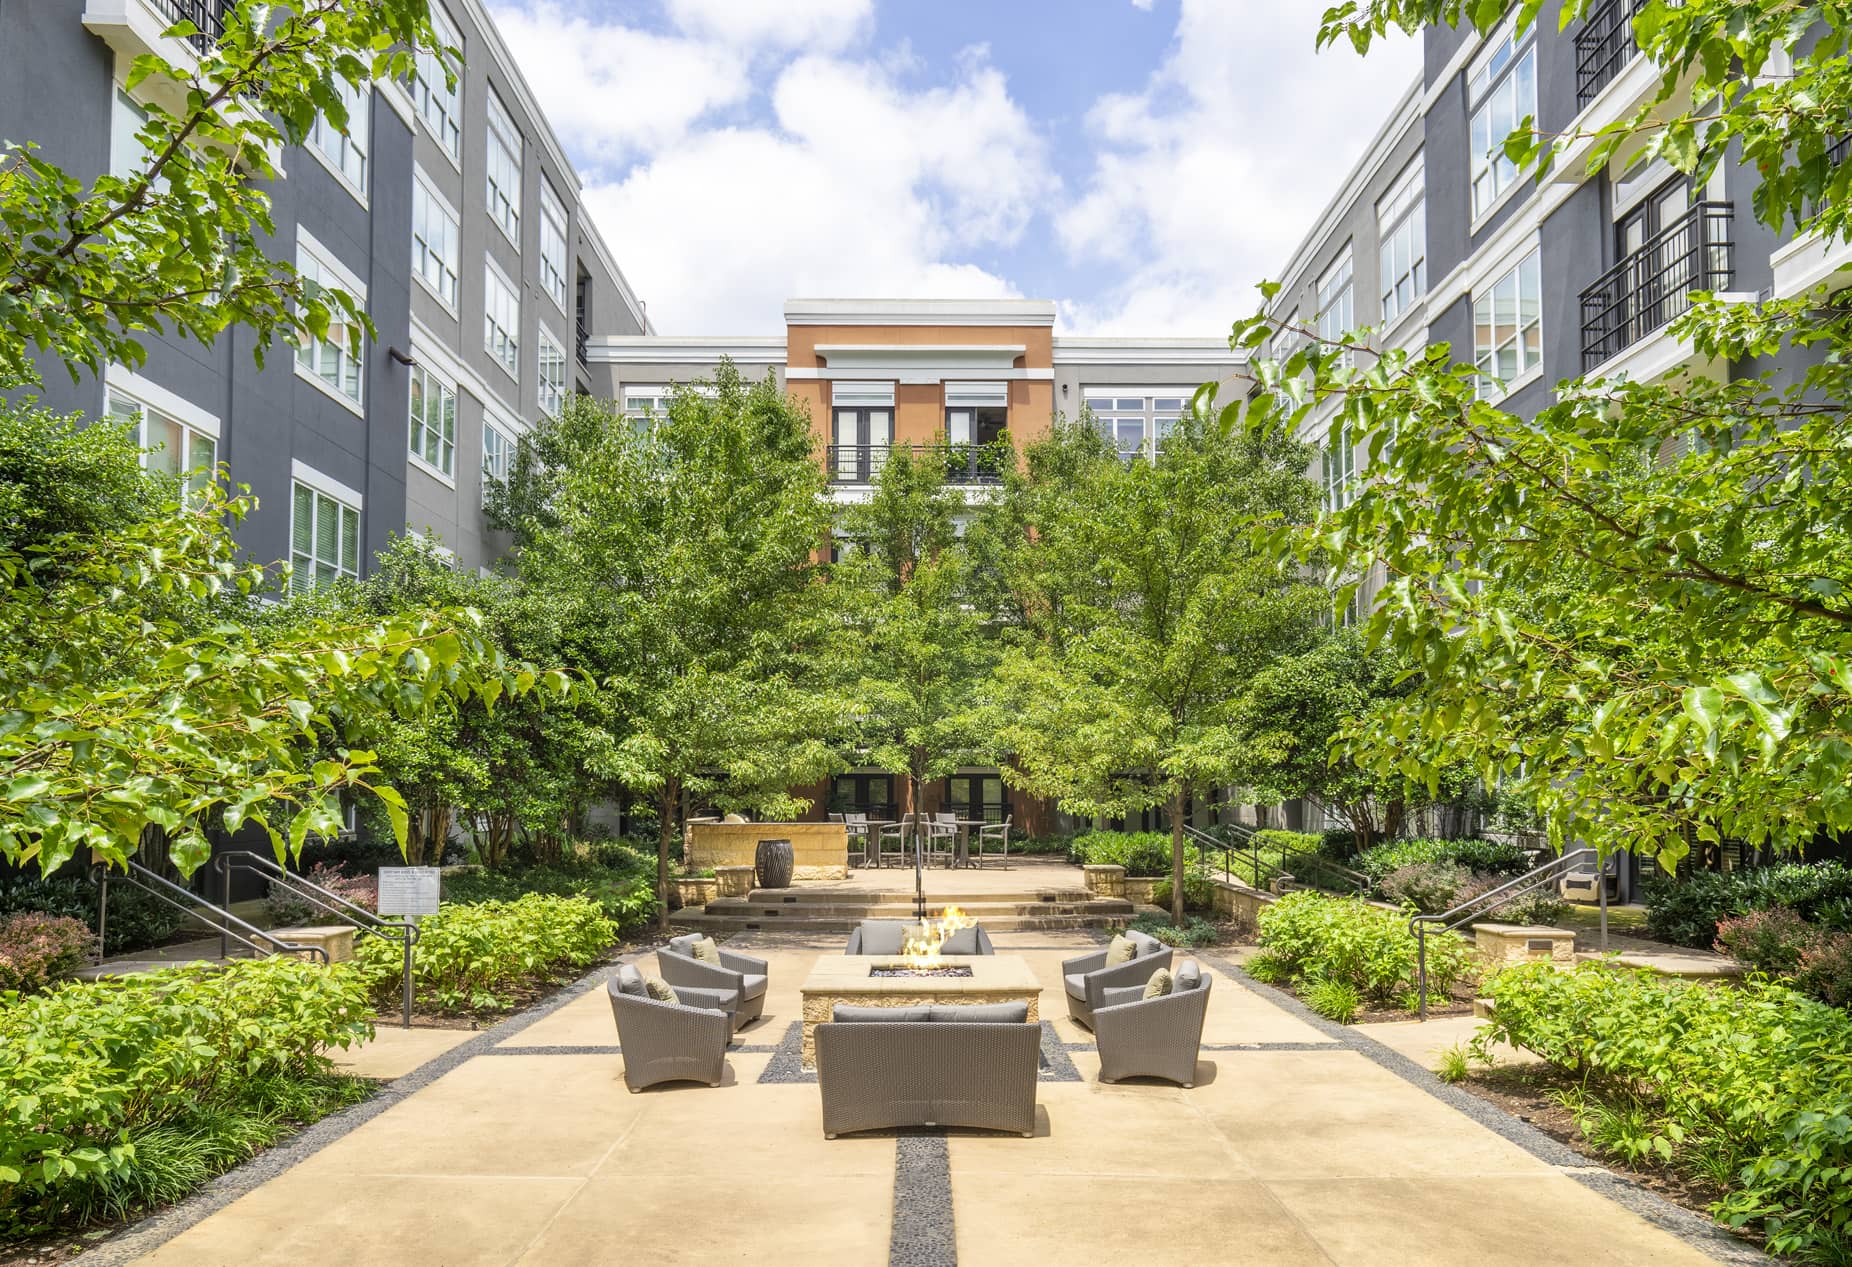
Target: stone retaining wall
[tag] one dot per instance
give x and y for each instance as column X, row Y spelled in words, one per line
column 821, row 849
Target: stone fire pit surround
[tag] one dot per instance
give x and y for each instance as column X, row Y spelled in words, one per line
column 847, row 979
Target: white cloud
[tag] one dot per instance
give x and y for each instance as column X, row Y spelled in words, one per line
column 859, row 185
column 1143, row 4
column 1206, row 179
column 817, row 25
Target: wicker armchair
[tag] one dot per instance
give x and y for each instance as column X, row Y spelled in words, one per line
column 889, row 937
column 742, row 973
column 1087, row 977
column 1153, row 1038
column 669, row 1042
column 877, row 1075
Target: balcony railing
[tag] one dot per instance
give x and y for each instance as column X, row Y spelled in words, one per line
column 1603, row 46
column 1652, row 285
column 580, row 339
column 964, row 463
column 207, row 15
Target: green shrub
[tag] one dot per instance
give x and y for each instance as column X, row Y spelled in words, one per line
column 1686, row 911
column 1825, row 969
column 1285, row 842
column 37, row 950
column 137, row 920
column 1057, row 846
column 1195, row 932
column 1315, row 937
column 1493, row 857
column 1432, row 887
column 1198, row 889
column 1334, row 1000
column 485, row 956
column 1141, row 853
column 1753, row 1085
column 1770, row 941
column 627, row 897
column 89, row 1069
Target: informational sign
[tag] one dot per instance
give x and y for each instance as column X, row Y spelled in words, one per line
column 409, row 890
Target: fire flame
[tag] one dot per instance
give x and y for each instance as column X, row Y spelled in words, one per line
column 924, row 941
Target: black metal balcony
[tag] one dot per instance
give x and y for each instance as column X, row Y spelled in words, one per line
column 581, row 338
column 1654, row 284
column 1603, row 46
column 207, row 15
column 964, row 463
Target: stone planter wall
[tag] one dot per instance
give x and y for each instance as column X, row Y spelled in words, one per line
column 1239, row 901
column 733, row 881
column 1138, row 888
column 1105, row 879
column 1504, row 944
column 695, row 890
column 821, row 850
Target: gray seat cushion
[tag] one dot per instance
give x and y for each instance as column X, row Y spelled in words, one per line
column 1076, row 985
column 981, row 1013
column 883, row 936
column 752, row 984
column 962, row 942
column 847, row 1014
column 630, row 981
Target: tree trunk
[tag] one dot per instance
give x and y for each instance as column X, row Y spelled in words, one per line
column 1176, row 854
column 665, row 836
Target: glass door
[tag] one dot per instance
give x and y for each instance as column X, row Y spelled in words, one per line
column 977, row 795
column 859, row 439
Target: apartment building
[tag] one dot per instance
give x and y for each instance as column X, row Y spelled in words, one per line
column 942, row 375
column 450, row 211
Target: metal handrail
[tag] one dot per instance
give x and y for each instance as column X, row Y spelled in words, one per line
column 965, row 462
column 358, row 917
column 208, row 16
column 1328, row 870
column 1489, row 901
column 195, row 905
column 1603, row 46
column 1651, row 285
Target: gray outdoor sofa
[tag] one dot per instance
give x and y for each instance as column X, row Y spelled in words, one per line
column 683, row 1041
column 1087, row 978
column 888, row 936
column 1153, row 1038
column 742, row 973
column 947, row 1065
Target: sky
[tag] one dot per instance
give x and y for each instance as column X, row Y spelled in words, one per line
column 1143, row 163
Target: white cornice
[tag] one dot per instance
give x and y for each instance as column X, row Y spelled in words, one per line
column 656, row 349
column 1102, row 351
column 919, row 312
column 916, row 372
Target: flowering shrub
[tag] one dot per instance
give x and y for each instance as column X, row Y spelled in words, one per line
column 1492, row 857
column 1312, row 937
column 38, row 949
column 481, row 957
column 287, row 907
column 1769, row 941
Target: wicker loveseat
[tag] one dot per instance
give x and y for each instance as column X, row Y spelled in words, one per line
column 1087, row 978
column 735, row 971
column 1153, row 1038
column 888, row 936
column 879, row 1068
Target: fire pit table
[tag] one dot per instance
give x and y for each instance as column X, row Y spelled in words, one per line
column 878, row 981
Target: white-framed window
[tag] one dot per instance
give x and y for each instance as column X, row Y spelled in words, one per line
column 168, row 445
column 645, row 401
column 504, row 168
column 334, row 360
column 1508, row 325
column 1337, row 307
column 1135, row 420
column 552, row 375
column 440, row 102
column 1340, row 468
column 497, row 454
column 552, row 244
column 436, row 238
column 346, row 148
column 1402, row 228
column 502, row 320
column 1501, row 92
column 1286, row 339
column 324, row 535
column 433, row 421
column 126, row 120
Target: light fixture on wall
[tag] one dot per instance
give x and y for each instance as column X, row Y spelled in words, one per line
column 1064, row 389
column 401, row 357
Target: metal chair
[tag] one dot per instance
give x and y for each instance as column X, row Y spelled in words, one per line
column 897, row 835
column 942, row 838
column 857, row 828
column 997, row 834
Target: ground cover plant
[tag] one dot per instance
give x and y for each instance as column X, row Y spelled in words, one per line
column 124, row 1093
column 1344, row 955
column 486, row 957
column 1195, row 931
column 1748, row 1089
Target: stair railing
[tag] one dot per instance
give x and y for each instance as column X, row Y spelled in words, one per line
column 1550, row 873
column 184, row 900
column 1301, row 867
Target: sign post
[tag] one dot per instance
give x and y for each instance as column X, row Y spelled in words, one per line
column 409, row 892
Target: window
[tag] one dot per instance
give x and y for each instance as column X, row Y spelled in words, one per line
column 333, row 361
column 168, row 445
column 1135, row 424
column 440, row 103
column 1508, row 325
column 125, row 148
column 1340, row 469
column 552, row 375
column 504, row 171
column 1501, row 92
column 502, row 321
column 552, row 244
column 861, row 430
column 1336, row 310
column 497, row 454
column 435, row 237
column 433, row 420
column 346, row 148
column 324, row 539
column 642, row 403
column 1402, row 227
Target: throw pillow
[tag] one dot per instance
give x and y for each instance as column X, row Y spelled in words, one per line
column 630, row 981
column 883, row 936
column 706, row 951
column 962, row 942
column 1160, row 984
column 1121, row 950
column 659, row 989
column 1189, row 975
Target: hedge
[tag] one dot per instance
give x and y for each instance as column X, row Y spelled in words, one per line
column 1141, row 853
column 1687, row 911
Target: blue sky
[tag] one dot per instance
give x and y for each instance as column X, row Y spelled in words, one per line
column 1141, row 162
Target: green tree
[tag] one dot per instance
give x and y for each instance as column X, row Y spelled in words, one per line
column 1690, row 667
column 682, row 563
column 1148, row 607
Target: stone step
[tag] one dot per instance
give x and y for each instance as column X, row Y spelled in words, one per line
column 889, row 897
column 703, row 920
column 897, row 910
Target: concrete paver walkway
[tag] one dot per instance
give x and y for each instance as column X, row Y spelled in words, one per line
column 1297, row 1145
